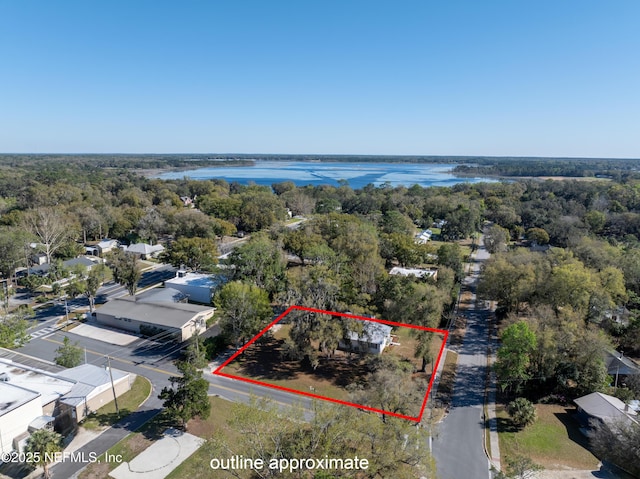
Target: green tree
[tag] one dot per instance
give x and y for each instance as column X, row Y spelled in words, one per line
column 496, row 239
column 42, row 445
column 13, row 328
column 537, row 235
column 450, row 255
column 596, row 220
column 69, row 355
column 97, row 275
column 522, row 412
column 395, row 447
column 187, row 397
column 261, row 261
column 75, row 288
column 14, row 245
column 126, row 270
column 194, row 253
column 519, row 467
column 196, row 352
column 245, row 310
column 518, row 342
column 510, row 279
column 260, row 209
column 302, row 242
column 570, row 284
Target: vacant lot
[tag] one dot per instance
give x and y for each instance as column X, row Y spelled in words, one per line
column 553, row 441
column 264, row 361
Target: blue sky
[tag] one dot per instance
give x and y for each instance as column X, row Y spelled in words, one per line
column 523, row 78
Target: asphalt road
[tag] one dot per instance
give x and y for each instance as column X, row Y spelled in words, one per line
column 458, row 447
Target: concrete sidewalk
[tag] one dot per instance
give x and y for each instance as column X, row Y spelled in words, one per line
column 162, row 457
column 107, row 335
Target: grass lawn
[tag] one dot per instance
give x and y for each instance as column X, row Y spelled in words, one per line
column 447, row 379
column 195, row 466
column 198, row 464
column 129, row 447
column 127, row 403
column 553, row 441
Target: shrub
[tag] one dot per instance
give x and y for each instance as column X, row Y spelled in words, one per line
column 522, row 412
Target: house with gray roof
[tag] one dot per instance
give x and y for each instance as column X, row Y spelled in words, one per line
column 144, row 250
column 373, row 338
column 603, row 408
column 620, row 365
column 175, row 321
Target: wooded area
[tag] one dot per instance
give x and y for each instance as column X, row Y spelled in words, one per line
column 565, row 268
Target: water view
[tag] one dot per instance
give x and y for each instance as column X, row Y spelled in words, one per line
column 357, row 175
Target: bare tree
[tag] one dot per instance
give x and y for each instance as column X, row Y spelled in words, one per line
column 50, row 226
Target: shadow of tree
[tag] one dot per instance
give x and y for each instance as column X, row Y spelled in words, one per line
column 263, row 360
column 507, row 425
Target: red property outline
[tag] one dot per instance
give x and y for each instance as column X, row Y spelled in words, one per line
column 324, row 398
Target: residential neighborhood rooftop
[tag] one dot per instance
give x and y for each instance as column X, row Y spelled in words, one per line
column 417, row 272
column 619, row 364
column 372, row 332
column 161, row 295
column 604, row 407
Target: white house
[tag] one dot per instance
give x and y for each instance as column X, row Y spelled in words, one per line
column 373, row 338
column 418, row 273
column 144, row 250
column 424, row 237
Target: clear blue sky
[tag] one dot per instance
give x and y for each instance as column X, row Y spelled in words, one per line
column 539, row 78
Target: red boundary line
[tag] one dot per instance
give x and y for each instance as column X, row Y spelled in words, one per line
column 325, row 398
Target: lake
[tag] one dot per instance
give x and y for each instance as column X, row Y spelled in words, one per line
column 358, row 175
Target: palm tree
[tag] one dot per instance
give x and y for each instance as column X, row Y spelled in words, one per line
column 43, row 444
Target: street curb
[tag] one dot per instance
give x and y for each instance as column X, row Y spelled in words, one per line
column 150, row 390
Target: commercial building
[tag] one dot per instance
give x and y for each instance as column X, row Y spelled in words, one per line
column 32, row 399
column 197, row 287
column 176, row 321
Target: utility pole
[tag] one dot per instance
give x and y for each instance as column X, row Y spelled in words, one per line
column 115, row 398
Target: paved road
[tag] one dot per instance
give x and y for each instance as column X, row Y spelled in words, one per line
column 458, row 447
column 144, row 357
column 45, row 318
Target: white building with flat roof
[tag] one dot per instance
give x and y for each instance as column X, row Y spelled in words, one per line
column 31, row 398
column 49, row 386
column 417, row 272
column 18, row 408
column 197, row 287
